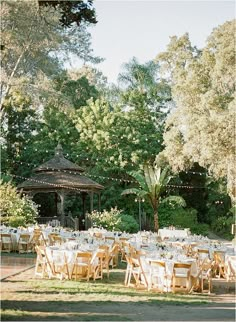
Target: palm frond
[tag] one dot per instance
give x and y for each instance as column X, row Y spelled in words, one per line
column 157, row 174
column 177, row 199
column 165, row 177
column 135, row 191
column 140, row 179
column 149, row 176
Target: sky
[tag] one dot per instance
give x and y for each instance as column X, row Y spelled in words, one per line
column 128, row 28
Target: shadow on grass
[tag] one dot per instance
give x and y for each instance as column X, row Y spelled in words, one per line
column 178, row 299
column 112, row 311
column 24, row 255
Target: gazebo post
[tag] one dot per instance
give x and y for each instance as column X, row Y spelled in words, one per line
column 83, row 200
column 91, row 201
column 99, row 201
column 62, row 197
column 56, row 201
column 88, row 222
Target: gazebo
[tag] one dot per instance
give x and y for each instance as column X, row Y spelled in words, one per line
column 60, row 176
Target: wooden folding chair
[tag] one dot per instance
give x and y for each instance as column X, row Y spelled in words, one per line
column 57, row 265
column 220, row 267
column 181, row 273
column 97, row 264
column 54, row 239
column 202, row 254
column 24, row 244
column 205, row 274
column 113, row 256
column 124, row 250
column 106, row 260
column 36, row 240
column 60, row 268
column 6, row 243
column 41, row 262
column 158, row 278
column 110, row 240
column 135, row 270
column 82, row 266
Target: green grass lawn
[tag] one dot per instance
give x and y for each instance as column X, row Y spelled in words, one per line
column 27, row 298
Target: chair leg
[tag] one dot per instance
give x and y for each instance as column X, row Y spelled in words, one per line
column 126, row 275
column 129, row 278
column 210, row 285
column 173, row 285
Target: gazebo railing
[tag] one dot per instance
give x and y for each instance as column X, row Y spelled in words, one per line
column 46, row 220
column 69, row 222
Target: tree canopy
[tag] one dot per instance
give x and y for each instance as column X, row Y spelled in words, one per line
column 72, row 11
column 36, row 47
column 200, row 128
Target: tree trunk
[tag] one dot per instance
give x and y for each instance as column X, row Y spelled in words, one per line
column 156, row 222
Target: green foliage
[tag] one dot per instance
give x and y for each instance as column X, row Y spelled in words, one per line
column 15, row 209
column 172, row 214
column 114, row 220
column 76, row 91
column 119, row 138
column 128, row 224
column 18, row 129
column 76, row 11
column 222, row 225
column 141, row 88
column 196, row 177
column 31, row 59
column 200, row 128
column 152, row 185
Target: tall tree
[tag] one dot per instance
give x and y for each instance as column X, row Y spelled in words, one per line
column 141, row 88
column 18, row 129
column 152, row 184
column 200, row 128
column 119, row 138
column 36, row 46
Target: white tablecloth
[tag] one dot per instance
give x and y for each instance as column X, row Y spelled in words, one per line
column 178, row 233
column 169, row 263
column 59, row 255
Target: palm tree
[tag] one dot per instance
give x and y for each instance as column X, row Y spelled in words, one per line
column 152, row 184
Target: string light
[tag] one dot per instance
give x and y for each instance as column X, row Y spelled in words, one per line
column 43, row 182
column 132, row 163
column 76, row 173
column 219, row 202
column 114, row 179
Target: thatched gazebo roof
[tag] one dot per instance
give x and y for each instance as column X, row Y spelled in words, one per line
column 59, row 173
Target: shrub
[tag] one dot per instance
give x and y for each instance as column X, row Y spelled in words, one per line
column 128, row 224
column 16, row 210
column 181, row 218
column 113, row 220
column 222, row 225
